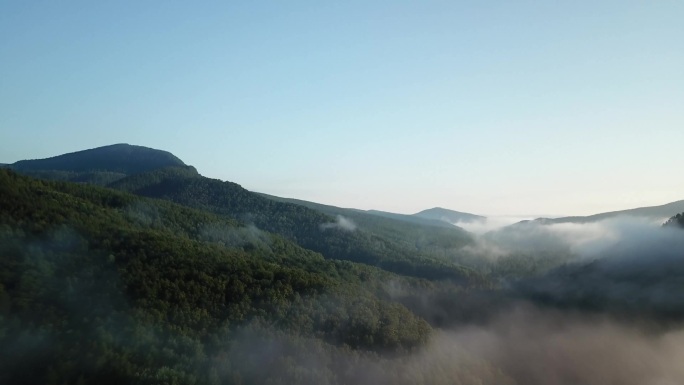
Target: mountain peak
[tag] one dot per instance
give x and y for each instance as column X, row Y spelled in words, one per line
column 450, row 216
column 121, row 158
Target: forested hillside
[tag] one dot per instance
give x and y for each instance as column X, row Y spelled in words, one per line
column 309, row 228
column 420, row 250
column 677, row 220
column 426, row 236
column 99, row 286
column 169, row 277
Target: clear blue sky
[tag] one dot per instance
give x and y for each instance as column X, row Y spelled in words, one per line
column 492, row 107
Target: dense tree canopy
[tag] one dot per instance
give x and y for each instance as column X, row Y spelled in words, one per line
column 102, row 286
column 168, row 277
column 310, row 228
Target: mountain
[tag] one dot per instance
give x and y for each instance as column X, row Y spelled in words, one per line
column 168, row 277
column 419, row 232
column 661, row 212
column 411, row 218
column 449, row 216
column 101, row 286
column 120, row 158
column 100, row 165
column 395, row 246
column 364, row 215
column 653, row 212
column 334, row 237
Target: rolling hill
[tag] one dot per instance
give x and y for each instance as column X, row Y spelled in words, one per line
column 100, row 165
column 395, row 246
column 424, row 235
column 101, row 286
column 307, row 227
column 449, row 216
column 661, row 212
column 165, row 276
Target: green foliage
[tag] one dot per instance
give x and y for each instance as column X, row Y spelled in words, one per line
column 676, row 221
column 100, row 178
column 99, row 286
column 419, row 235
column 374, row 242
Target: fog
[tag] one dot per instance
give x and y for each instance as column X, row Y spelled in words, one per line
column 523, row 345
column 341, row 223
column 611, row 313
column 634, row 266
column 531, row 346
column 583, row 240
column 489, row 223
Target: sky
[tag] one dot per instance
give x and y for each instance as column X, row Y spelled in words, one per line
column 490, row 107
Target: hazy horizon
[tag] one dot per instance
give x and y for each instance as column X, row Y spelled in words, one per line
column 496, row 219
column 487, row 108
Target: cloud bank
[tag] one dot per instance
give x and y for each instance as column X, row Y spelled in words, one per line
column 524, row 345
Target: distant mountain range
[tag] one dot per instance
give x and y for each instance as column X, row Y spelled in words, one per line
column 116, row 163
column 406, row 245
column 363, row 214
column 449, row 216
column 660, row 212
column 162, row 275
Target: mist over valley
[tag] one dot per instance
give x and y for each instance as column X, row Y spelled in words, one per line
column 341, row 193
column 124, row 264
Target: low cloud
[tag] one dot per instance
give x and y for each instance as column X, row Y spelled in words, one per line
column 524, row 345
column 583, row 240
column 635, row 268
column 341, row 223
column 488, row 224
column 592, row 239
column 530, row 346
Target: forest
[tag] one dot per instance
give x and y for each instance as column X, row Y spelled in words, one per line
column 137, row 269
